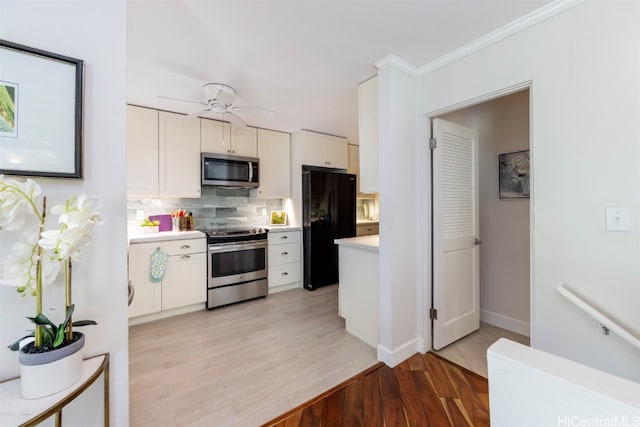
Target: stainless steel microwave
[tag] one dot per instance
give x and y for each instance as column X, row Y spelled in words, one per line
column 221, row 170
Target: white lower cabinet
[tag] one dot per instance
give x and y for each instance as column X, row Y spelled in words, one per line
column 184, row 281
column 148, row 295
column 285, row 268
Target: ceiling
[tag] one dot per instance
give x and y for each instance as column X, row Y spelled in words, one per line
column 301, row 59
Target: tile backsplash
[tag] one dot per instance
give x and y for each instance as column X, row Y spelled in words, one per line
column 216, row 208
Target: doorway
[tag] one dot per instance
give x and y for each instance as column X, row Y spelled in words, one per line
column 504, row 223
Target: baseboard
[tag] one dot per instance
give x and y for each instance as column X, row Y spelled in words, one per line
column 287, row 287
column 394, row 357
column 505, row 322
column 166, row 313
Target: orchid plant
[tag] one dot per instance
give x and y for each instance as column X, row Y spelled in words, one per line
column 40, row 253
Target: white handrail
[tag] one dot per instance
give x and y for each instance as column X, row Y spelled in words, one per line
column 605, row 322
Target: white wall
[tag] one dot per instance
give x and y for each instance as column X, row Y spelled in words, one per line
column 503, row 127
column 584, row 67
column 95, row 32
column 528, row 387
column 398, row 216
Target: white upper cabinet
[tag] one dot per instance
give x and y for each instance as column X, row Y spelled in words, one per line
column 354, row 164
column 275, row 155
column 142, row 151
column 324, row 150
column 368, row 135
column 215, row 136
column 219, row 137
column 179, row 155
column 244, row 142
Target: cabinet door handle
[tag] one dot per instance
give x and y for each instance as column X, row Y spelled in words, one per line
column 185, row 247
column 284, row 253
column 185, row 257
column 284, row 273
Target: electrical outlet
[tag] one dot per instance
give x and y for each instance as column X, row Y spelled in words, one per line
column 264, row 211
column 139, row 214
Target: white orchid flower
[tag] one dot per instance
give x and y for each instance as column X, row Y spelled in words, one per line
column 80, row 212
column 20, row 267
column 16, row 202
column 78, row 216
column 65, row 242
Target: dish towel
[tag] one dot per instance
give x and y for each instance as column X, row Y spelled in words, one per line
column 158, row 265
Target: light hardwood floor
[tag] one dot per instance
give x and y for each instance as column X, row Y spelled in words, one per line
column 241, row 365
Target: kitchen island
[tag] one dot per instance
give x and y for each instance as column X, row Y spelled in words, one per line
column 359, row 289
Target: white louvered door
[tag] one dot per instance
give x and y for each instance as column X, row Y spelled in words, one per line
column 455, row 233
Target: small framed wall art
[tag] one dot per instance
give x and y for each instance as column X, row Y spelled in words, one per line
column 278, row 218
column 513, row 172
column 40, row 112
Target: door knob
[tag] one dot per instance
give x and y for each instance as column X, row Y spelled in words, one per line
column 477, row 242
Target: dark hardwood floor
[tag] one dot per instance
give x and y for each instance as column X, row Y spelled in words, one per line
column 425, row 390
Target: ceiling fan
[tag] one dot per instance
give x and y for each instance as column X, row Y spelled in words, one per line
column 218, row 100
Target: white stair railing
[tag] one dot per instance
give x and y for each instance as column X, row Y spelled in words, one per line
column 605, row 322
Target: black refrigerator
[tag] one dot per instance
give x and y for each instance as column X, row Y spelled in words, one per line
column 328, row 213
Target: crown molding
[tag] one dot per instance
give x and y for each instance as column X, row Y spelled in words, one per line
column 394, row 61
column 501, row 33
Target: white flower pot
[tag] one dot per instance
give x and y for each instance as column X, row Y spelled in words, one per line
column 43, row 374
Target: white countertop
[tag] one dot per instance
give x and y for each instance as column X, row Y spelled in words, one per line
column 164, row 235
column 370, row 243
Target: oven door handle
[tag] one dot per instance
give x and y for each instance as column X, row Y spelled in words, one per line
column 228, row 247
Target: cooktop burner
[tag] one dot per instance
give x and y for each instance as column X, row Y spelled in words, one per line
column 235, row 235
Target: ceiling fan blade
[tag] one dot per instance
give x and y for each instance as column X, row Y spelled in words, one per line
column 225, row 97
column 256, row 111
column 235, row 120
column 181, row 99
column 197, row 113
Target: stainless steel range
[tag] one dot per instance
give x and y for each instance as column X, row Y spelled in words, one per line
column 237, row 265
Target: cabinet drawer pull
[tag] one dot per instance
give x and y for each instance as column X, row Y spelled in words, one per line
column 284, row 273
column 185, row 257
column 185, row 247
column 284, row 237
column 284, row 253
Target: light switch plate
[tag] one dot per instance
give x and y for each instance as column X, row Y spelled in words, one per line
column 618, row 219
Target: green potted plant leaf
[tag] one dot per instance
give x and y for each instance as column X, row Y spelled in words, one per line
column 52, row 361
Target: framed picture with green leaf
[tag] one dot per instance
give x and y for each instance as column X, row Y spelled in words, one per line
column 278, row 218
column 8, row 109
column 40, row 112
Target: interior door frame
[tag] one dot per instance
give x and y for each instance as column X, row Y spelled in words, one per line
column 426, row 130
